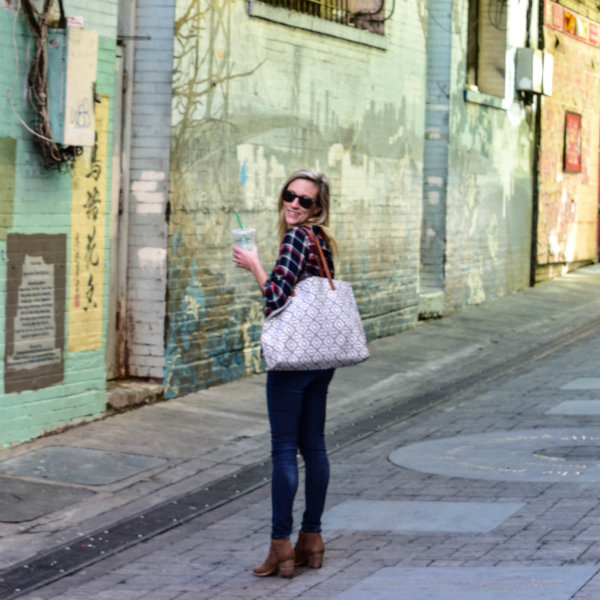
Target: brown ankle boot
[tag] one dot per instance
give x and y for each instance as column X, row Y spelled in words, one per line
column 279, row 560
column 309, row 550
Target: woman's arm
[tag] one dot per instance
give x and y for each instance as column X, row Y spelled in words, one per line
column 277, row 287
column 291, row 262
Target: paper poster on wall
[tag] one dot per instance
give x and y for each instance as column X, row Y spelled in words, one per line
column 88, row 239
column 572, row 147
column 35, row 311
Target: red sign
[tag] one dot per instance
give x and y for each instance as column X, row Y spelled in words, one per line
column 572, row 151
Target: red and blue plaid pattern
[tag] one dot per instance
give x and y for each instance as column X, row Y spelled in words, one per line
column 296, row 258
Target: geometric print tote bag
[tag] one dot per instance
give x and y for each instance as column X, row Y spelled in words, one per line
column 319, row 326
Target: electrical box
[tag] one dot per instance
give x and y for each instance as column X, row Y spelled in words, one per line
column 530, row 69
column 548, row 74
column 534, row 71
column 72, row 67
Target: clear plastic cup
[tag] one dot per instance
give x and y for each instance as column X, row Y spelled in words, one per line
column 244, row 238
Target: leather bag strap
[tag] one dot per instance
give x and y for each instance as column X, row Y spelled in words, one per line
column 323, row 266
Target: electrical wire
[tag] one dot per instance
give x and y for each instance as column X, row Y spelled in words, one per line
column 53, row 155
column 10, row 93
column 497, row 10
column 431, row 14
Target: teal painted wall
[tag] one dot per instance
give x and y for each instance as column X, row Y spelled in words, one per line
column 41, row 204
column 254, row 100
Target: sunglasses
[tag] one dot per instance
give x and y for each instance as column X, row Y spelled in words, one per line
column 304, row 201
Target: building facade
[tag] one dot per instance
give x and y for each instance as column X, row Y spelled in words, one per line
column 54, row 214
column 411, row 110
column 567, row 221
column 477, row 196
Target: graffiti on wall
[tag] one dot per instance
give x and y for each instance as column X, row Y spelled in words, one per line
column 233, row 146
column 198, row 325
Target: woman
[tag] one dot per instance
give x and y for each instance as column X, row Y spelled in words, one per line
column 296, row 400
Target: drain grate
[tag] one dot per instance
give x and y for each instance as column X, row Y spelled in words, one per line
column 83, row 551
column 570, row 453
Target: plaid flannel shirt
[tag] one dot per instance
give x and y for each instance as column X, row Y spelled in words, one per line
column 296, row 258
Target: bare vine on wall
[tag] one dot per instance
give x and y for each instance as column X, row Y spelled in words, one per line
column 53, row 155
column 205, row 134
column 201, row 77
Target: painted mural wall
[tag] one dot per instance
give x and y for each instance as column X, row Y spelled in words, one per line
column 254, row 100
column 489, row 198
column 53, row 232
column 568, row 198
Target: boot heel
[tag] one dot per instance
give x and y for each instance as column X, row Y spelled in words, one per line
column 280, row 559
column 315, row 559
column 309, row 550
column 286, row 568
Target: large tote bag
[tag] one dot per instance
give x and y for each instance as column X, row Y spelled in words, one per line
column 319, row 326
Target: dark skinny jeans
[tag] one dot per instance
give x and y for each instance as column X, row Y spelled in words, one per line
column 296, row 402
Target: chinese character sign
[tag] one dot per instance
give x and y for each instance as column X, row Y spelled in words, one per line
column 88, row 239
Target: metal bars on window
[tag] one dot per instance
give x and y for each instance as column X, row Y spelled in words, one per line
column 330, row 10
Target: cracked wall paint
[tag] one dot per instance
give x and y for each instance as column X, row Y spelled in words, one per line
column 254, row 101
column 489, row 200
column 36, row 207
column 568, row 202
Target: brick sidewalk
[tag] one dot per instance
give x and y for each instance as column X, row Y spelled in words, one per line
column 546, row 545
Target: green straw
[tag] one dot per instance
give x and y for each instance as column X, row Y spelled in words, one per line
column 241, row 226
column 239, row 220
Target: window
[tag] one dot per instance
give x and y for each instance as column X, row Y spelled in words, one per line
column 362, row 14
column 486, row 50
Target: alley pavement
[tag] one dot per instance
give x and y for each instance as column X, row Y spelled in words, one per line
column 465, row 464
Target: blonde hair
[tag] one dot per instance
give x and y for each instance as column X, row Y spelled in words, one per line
column 322, row 217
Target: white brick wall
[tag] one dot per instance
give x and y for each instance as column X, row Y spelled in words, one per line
column 149, row 184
